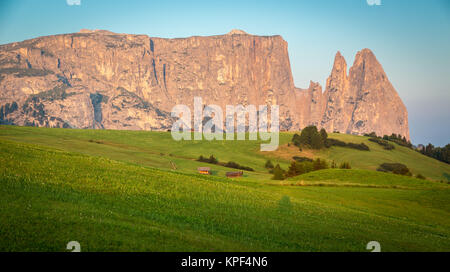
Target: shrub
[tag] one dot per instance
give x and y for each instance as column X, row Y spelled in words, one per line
column 385, row 144
column 232, row 164
column 395, row 168
column 211, row 159
column 334, row 142
column 361, row 146
column 95, row 141
column 420, row 176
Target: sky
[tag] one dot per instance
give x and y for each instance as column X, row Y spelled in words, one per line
column 411, row 39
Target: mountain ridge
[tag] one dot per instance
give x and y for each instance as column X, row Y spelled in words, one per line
column 133, row 81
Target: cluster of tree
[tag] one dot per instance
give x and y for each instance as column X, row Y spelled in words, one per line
column 396, row 138
column 211, row 159
column 439, row 153
column 395, row 168
column 310, row 137
column 385, row 144
column 302, row 167
column 299, row 168
column 230, row 164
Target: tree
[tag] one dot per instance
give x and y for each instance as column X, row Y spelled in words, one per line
column 316, row 141
column 299, row 168
column 345, row 165
column 269, row 164
column 439, row 153
column 296, row 140
column 333, row 164
column 320, row 164
column 213, row 160
column 311, row 137
column 278, row 173
column 324, row 135
column 292, row 171
column 429, row 149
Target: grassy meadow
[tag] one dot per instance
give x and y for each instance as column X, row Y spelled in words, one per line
column 118, row 191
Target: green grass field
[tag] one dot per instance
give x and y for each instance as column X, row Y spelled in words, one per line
column 117, row 191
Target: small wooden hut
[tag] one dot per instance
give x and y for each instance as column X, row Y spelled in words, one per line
column 234, row 174
column 204, row 170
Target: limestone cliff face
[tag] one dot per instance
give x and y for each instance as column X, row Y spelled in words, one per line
column 100, row 79
column 364, row 101
column 339, row 100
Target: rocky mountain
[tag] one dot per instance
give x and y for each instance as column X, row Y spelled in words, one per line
column 364, row 100
column 99, row 79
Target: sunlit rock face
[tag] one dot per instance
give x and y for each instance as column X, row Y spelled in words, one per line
column 364, row 100
column 103, row 80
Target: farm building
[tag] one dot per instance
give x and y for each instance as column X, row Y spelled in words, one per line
column 204, row 170
column 234, row 174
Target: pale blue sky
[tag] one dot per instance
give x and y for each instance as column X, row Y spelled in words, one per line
column 410, row 38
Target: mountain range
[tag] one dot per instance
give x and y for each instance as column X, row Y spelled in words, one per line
column 104, row 80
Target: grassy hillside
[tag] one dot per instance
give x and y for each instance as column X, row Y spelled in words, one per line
column 158, row 149
column 370, row 160
column 116, row 191
column 415, row 161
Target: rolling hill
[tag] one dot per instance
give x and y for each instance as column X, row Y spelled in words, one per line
column 118, row 191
